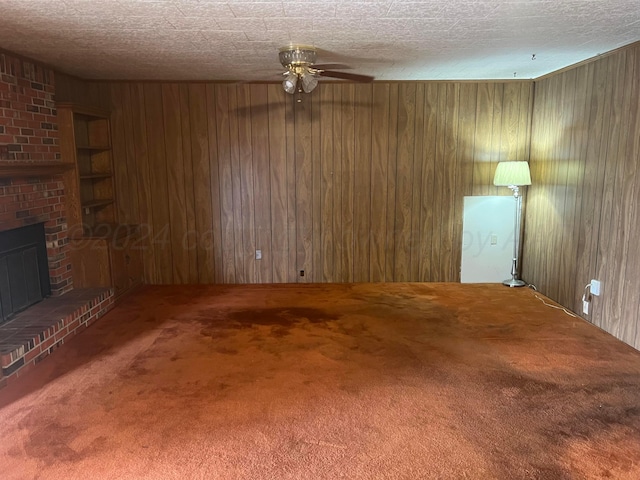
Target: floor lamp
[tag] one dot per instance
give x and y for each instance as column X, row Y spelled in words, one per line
column 514, row 175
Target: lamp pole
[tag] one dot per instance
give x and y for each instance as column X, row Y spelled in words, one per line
column 514, row 175
column 514, row 281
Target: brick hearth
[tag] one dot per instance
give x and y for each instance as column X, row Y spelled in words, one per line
column 35, row 333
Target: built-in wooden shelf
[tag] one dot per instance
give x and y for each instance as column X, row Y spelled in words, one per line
column 103, row 253
column 34, row 169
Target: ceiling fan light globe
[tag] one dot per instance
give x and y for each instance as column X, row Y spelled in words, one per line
column 290, row 83
column 309, row 82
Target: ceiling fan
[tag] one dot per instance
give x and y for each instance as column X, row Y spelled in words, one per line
column 302, row 72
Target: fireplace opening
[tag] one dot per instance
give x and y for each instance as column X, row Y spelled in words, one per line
column 24, row 269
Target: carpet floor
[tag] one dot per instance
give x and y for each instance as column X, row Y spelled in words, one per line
column 364, row 381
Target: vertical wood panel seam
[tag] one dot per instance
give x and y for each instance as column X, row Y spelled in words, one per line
column 239, row 182
column 371, row 134
column 395, row 197
column 166, row 177
column 622, row 242
column 586, row 122
column 271, row 255
column 193, row 190
column 256, row 270
column 564, row 152
column 207, row 90
column 604, row 144
column 531, row 124
column 295, row 186
column 186, row 187
column 353, row 187
column 413, row 175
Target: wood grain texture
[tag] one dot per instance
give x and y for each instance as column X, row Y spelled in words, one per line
column 68, row 153
column 628, row 297
column 245, row 165
column 347, row 161
column 261, row 181
column 210, row 239
column 336, row 214
column 389, row 183
column 160, row 230
column 74, row 90
column 141, row 182
column 416, row 183
column 279, row 254
column 427, row 211
column 379, row 186
column 327, row 185
column 316, row 199
column 120, row 144
column 189, row 241
column 201, row 190
column 176, row 195
column 362, row 185
column 130, row 214
column 221, row 112
column 581, row 218
column 353, row 183
column 303, row 188
column 404, row 181
column 91, row 263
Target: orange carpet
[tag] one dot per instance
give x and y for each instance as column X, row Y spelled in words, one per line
column 388, row 381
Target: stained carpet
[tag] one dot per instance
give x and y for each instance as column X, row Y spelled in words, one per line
column 383, row 381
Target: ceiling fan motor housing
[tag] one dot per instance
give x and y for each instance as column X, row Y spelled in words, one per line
column 297, row 56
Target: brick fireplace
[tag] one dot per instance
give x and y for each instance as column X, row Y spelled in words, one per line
column 29, row 133
column 29, row 136
column 26, row 201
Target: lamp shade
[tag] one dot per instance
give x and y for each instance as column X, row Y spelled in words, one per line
column 512, row 174
column 309, row 82
column 290, row 83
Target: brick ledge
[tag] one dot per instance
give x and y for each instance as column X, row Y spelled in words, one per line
column 35, row 333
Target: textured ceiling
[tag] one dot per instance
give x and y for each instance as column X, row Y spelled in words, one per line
column 239, row 39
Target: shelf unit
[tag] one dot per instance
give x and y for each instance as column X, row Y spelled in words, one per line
column 87, row 142
column 103, row 252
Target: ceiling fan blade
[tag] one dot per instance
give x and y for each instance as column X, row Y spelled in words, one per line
column 354, row 77
column 331, row 66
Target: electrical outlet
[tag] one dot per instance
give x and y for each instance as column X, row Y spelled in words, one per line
column 258, row 254
column 595, row 287
column 302, row 273
column 585, row 307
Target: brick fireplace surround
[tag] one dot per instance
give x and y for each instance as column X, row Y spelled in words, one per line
column 28, row 135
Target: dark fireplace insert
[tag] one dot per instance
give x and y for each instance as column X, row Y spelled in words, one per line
column 24, row 270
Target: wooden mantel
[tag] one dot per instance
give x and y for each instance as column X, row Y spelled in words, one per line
column 33, row 169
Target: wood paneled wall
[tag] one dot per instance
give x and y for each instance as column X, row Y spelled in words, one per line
column 355, row 183
column 70, row 89
column 582, row 219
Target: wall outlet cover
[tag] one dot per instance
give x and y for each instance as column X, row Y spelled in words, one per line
column 595, row 287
